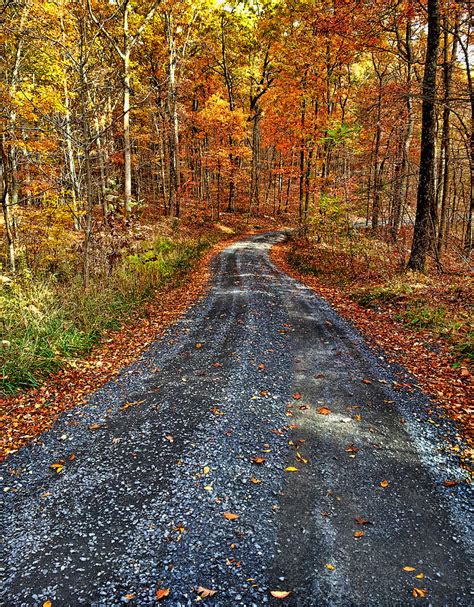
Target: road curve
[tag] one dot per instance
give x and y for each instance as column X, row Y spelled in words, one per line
column 158, row 456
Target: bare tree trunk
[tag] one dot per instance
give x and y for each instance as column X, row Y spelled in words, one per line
column 426, row 200
column 172, row 108
column 448, row 65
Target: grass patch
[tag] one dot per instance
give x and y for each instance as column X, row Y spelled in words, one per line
column 48, row 323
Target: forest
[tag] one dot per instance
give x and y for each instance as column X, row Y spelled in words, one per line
column 236, row 295
column 130, row 131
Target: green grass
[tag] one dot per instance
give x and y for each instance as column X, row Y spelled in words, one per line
column 46, row 323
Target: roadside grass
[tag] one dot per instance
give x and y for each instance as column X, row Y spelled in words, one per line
column 373, row 276
column 48, row 321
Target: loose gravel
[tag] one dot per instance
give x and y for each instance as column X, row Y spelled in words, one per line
column 157, row 456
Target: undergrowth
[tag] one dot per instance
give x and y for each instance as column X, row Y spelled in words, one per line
column 48, row 320
column 441, row 304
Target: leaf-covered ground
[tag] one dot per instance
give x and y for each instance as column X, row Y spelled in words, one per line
column 28, row 414
column 431, row 360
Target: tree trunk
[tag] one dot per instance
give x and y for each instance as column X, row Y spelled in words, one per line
column 426, row 200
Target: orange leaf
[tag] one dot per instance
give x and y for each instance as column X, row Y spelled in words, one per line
column 47, row 604
column 258, row 460
column 359, row 534
column 205, row 592
column 384, row 484
column 279, row 594
column 162, row 593
column 324, row 411
column 230, row 516
column 450, row 483
column 407, row 568
column 362, row 521
column 255, row 481
column 419, row 593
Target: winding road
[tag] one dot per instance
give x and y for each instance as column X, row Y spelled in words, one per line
column 261, row 402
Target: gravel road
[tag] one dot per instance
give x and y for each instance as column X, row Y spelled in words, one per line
column 158, row 455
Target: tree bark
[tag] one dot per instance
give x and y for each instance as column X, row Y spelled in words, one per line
column 426, row 199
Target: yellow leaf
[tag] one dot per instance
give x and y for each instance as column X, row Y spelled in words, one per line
column 420, row 576
column 206, row 470
column 408, row 568
column 58, row 468
column 198, row 346
column 47, row 604
column 291, row 469
column 255, row 481
column 384, row 484
column 279, row 594
column 419, row 593
column 329, row 566
column 208, row 487
column 230, row 516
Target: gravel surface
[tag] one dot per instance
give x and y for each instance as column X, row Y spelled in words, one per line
column 158, row 455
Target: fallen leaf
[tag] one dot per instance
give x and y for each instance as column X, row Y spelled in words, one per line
column 366, row 381
column 206, row 470
column 169, row 438
column 216, row 411
column 205, row 592
column 291, row 469
column 255, row 481
column 261, row 366
column 329, row 566
column 450, row 483
column 357, row 417
column 384, row 484
column 96, row 426
column 351, row 448
column 359, row 534
column 279, row 594
column 131, row 404
column 419, row 593
column 129, row 596
column 58, row 468
column 407, row 568
column 258, row 460
column 324, row 411
column 198, row 346
column 297, row 395
column 162, row 593
column 47, row 604
column 420, row 576
column 362, row 521
column 208, row 487
column 230, row 516
column 300, row 458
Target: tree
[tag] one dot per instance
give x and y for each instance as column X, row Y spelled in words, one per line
column 424, row 232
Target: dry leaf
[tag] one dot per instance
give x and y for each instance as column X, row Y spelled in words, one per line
column 366, row 381
column 230, row 516
column 169, row 438
column 324, row 411
column 162, row 593
column 255, row 481
column 279, row 594
column 208, row 487
column 329, row 566
column 419, row 593
column 450, row 483
column 420, row 576
column 205, row 592
column 96, row 426
column 261, row 366
column 384, row 484
column 359, row 534
column 362, row 521
column 129, row 596
column 258, row 460
column 198, row 346
column 206, row 470
column 47, row 604
column 409, row 569
column 297, row 395
column 58, row 468
column 291, row 469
